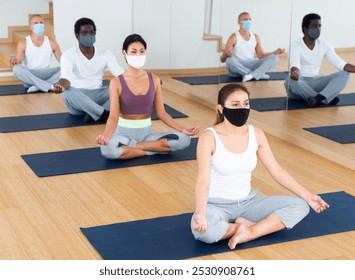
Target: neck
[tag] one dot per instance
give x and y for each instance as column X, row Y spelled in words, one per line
column 243, row 31
column 35, row 37
column 231, row 128
column 134, row 71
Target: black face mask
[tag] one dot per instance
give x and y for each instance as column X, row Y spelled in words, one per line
column 237, row 117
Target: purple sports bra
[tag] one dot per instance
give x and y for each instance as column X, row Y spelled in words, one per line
column 136, row 104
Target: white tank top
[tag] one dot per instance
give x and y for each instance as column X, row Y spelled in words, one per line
column 38, row 57
column 244, row 50
column 230, row 176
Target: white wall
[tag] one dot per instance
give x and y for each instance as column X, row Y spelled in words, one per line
column 15, row 12
column 173, row 29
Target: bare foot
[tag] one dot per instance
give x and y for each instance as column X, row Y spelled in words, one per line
column 242, row 234
column 245, row 222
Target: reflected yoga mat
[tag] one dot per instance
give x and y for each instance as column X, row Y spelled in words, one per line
column 170, row 238
column 343, row 134
column 90, row 159
column 281, row 103
column 219, row 79
column 20, row 89
column 59, row 120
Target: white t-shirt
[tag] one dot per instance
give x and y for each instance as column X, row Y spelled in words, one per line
column 87, row 73
column 230, row 175
column 309, row 61
column 38, row 57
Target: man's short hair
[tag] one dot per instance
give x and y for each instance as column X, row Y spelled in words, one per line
column 241, row 14
column 308, row 18
column 81, row 22
column 35, row 15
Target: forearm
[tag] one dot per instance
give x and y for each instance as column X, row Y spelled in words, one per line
column 290, row 183
column 169, row 121
column 201, row 198
column 111, row 125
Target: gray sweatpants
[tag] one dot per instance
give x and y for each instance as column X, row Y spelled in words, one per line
column 220, row 212
column 43, row 79
column 91, row 101
column 257, row 67
column 130, row 137
column 328, row 86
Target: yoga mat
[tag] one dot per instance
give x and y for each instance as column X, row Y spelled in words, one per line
column 170, row 238
column 20, row 89
column 343, row 134
column 219, row 79
column 280, row 103
column 90, row 159
column 58, row 120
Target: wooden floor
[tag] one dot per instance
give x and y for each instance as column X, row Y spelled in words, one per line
column 40, row 217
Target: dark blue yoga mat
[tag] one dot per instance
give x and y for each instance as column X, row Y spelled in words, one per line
column 283, row 103
column 90, row 159
column 170, row 238
column 343, row 134
column 20, row 89
column 58, row 120
column 219, row 79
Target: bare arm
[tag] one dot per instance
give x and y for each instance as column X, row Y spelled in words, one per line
column 228, row 50
column 164, row 116
column 282, row 177
column 111, row 124
column 56, row 49
column 205, row 149
column 20, row 53
column 260, row 52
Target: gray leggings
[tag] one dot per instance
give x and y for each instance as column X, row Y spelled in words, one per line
column 130, row 137
column 256, row 67
column 220, row 212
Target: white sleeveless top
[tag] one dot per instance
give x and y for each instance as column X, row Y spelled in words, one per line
column 244, row 50
column 230, row 175
column 38, row 57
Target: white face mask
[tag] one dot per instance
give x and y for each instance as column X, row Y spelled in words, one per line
column 136, row 61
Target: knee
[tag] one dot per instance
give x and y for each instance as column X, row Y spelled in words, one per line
column 298, row 210
column 182, row 142
column 17, row 69
column 113, row 149
column 216, row 228
column 345, row 75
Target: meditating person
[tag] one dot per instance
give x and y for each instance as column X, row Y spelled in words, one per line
column 226, row 206
column 82, row 70
column 32, row 63
column 128, row 132
column 306, row 57
column 240, row 50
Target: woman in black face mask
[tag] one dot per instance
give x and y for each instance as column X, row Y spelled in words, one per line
column 226, row 205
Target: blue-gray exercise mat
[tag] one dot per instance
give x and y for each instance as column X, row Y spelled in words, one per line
column 283, row 103
column 219, row 79
column 90, row 159
column 170, row 238
column 343, row 134
column 20, row 89
column 59, row 120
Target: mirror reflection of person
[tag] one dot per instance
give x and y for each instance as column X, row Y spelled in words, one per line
column 82, row 70
column 32, row 63
column 306, row 56
column 128, row 132
column 226, row 206
column 244, row 55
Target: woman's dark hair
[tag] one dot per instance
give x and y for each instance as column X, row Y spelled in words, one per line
column 307, row 20
column 131, row 39
column 81, row 22
column 223, row 95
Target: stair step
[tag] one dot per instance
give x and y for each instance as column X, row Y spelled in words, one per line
column 8, row 49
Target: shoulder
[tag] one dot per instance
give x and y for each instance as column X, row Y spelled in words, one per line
column 206, row 139
column 259, row 135
column 233, row 37
column 22, row 43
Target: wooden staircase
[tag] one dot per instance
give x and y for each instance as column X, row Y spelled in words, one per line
column 16, row 33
